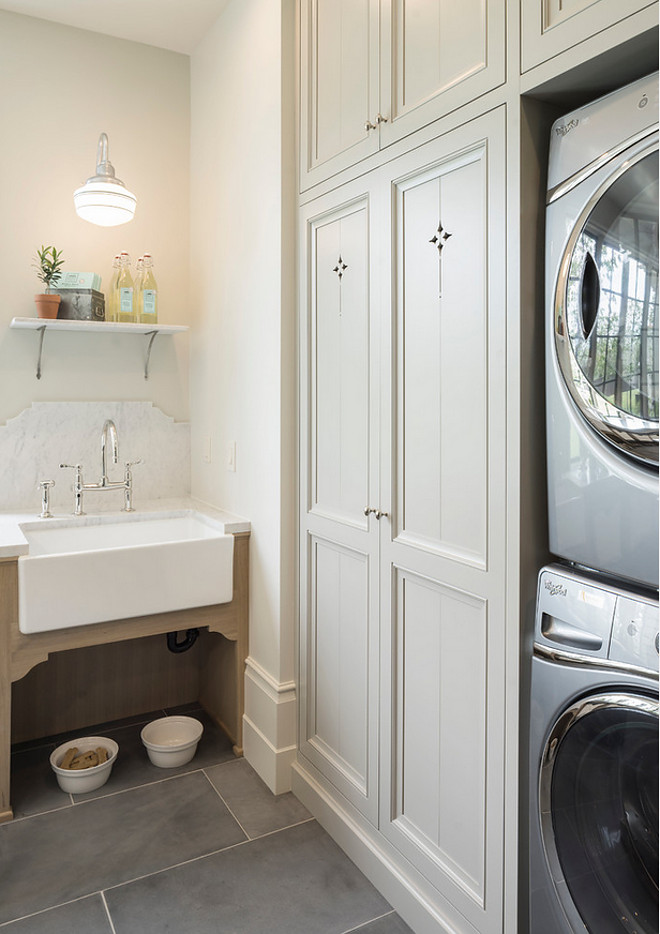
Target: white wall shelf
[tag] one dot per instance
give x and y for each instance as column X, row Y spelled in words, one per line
column 98, row 327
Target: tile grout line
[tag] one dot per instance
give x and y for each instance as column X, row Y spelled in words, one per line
column 226, row 805
column 364, row 924
column 107, row 911
column 195, row 859
column 43, row 911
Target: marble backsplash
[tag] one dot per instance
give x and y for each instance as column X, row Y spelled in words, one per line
column 47, row 434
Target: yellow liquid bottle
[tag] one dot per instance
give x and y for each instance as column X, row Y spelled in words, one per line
column 148, row 292
column 125, row 294
column 111, row 303
column 137, row 289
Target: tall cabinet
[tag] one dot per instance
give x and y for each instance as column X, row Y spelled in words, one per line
column 402, row 527
column 416, row 401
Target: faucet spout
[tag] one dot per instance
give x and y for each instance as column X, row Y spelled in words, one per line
column 109, row 436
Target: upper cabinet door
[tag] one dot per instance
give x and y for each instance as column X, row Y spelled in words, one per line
column 436, row 57
column 374, row 71
column 549, row 27
column 339, row 85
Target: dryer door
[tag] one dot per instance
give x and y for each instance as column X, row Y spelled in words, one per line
column 606, row 309
column 599, row 804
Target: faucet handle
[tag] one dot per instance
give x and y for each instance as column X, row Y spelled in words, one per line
column 134, row 463
column 44, row 486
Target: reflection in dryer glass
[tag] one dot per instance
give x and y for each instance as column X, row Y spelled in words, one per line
column 605, row 819
column 612, row 293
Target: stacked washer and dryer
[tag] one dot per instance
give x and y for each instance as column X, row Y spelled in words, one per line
column 593, row 742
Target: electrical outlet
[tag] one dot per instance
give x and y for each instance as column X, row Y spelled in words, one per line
column 231, row 456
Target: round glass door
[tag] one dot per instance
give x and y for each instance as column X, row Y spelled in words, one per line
column 606, row 312
column 599, row 804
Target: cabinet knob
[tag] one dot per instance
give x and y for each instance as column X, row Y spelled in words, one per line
column 368, row 509
column 374, row 126
column 381, row 515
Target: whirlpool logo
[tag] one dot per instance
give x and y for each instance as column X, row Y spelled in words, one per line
column 556, row 590
column 566, row 127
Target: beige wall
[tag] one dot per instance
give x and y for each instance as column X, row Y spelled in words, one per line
column 59, row 89
column 242, row 374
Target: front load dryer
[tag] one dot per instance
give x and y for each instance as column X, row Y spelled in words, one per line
column 602, row 334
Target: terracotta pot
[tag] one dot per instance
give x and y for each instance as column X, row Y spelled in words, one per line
column 47, row 305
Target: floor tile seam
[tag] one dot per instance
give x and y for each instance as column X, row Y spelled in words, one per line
column 196, row 859
column 43, row 911
column 363, row 924
column 226, row 805
column 107, row 913
column 24, row 817
column 112, row 794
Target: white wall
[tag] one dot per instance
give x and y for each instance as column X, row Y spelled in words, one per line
column 242, row 269
column 61, row 87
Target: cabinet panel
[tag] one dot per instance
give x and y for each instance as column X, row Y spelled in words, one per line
column 442, row 593
column 549, row 27
column 339, row 84
column 439, row 755
column 340, row 363
column 442, row 320
column 338, row 724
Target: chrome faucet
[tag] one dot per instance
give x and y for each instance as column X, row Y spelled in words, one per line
column 108, row 437
column 109, row 431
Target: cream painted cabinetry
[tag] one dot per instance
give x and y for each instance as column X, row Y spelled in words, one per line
column 549, row 27
column 374, row 71
column 403, row 409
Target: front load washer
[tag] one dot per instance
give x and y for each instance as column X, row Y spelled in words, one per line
column 593, row 758
column 602, row 401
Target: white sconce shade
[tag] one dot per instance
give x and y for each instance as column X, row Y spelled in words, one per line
column 103, row 199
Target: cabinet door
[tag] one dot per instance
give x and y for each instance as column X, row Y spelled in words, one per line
column 339, row 435
column 442, row 559
column 339, row 85
column 552, row 26
column 436, row 57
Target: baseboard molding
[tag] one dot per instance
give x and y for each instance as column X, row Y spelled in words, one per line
column 406, row 890
column 269, row 726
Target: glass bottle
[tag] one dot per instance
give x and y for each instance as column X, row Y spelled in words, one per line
column 137, row 289
column 125, row 306
column 148, row 293
column 111, row 304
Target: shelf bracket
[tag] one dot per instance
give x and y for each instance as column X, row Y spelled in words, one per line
column 42, row 331
column 152, row 336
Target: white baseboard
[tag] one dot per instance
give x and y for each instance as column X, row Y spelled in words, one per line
column 269, row 726
column 408, row 892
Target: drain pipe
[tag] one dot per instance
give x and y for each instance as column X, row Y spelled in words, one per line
column 187, row 642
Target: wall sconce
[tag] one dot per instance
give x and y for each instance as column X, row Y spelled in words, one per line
column 104, row 199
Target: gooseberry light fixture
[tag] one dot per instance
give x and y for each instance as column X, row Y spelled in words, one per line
column 104, row 199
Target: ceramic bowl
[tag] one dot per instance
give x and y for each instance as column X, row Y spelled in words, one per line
column 171, row 741
column 77, row 782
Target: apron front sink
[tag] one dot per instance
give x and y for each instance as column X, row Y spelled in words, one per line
column 91, row 571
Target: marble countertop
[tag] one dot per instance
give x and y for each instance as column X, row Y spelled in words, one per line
column 13, row 542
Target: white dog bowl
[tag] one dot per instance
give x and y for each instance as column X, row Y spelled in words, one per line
column 171, row 741
column 77, row 782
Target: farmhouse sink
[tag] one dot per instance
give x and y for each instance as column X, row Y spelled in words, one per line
column 82, row 571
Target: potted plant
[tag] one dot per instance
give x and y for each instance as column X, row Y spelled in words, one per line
column 48, row 264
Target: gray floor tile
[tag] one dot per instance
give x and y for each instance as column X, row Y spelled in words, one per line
column 134, row 768
column 254, row 806
column 296, row 881
column 390, row 924
column 34, row 788
column 87, row 914
column 56, row 857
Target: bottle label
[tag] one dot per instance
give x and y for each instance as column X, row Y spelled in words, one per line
column 126, row 300
column 149, row 302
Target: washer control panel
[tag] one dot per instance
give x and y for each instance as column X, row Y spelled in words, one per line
column 579, row 616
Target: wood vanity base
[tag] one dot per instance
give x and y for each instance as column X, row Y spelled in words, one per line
column 222, row 674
